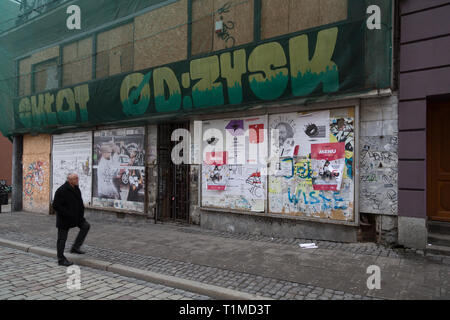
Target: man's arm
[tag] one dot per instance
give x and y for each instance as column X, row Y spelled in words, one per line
column 58, row 202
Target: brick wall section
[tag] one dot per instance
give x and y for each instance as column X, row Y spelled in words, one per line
column 424, row 72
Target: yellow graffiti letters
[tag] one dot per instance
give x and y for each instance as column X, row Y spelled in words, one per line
column 165, row 77
column 206, row 92
column 268, row 61
column 307, row 74
column 233, row 73
column 135, row 93
column 82, row 98
column 65, row 106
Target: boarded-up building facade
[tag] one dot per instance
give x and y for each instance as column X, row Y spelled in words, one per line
column 106, row 102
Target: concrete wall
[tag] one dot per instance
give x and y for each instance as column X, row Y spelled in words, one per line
column 152, row 169
column 378, row 188
column 36, row 173
column 424, row 72
column 280, row 228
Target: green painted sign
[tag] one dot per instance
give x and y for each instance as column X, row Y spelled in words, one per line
column 327, row 61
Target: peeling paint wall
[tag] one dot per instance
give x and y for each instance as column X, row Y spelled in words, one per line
column 36, row 173
column 379, row 156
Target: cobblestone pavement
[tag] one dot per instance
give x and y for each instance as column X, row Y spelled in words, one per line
column 26, row 276
column 277, row 269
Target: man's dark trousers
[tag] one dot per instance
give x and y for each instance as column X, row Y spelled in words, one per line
column 62, row 238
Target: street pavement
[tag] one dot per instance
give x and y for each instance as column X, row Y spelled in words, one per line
column 268, row 267
column 26, row 276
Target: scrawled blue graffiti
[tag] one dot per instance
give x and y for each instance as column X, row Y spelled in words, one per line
column 318, row 197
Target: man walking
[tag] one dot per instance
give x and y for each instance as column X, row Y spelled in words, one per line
column 69, row 208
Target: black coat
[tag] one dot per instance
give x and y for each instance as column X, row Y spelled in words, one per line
column 69, row 206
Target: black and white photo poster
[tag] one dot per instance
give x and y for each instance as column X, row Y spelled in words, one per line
column 119, row 168
column 72, row 153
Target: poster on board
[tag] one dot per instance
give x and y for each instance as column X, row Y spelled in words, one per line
column 327, row 162
column 233, row 170
column 72, row 153
column 119, row 168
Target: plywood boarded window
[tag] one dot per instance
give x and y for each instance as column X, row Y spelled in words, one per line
column 26, row 67
column 45, row 76
column 115, row 51
column 25, row 77
column 161, row 36
column 280, row 17
column 77, row 62
column 237, row 17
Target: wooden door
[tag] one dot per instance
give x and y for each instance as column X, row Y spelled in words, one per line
column 438, row 158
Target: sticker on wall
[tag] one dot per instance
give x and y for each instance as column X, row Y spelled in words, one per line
column 327, row 162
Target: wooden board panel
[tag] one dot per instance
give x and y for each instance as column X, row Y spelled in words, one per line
column 202, row 26
column 114, row 51
column 161, row 36
column 36, row 173
column 241, row 16
column 273, row 18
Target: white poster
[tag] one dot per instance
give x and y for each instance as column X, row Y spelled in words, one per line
column 312, row 128
column 72, row 153
column 233, row 171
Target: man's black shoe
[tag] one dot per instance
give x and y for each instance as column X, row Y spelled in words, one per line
column 65, row 263
column 77, row 251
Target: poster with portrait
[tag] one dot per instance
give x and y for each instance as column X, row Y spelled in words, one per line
column 119, row 168
column 327, row 165
column 72, row 153
column 283, row 130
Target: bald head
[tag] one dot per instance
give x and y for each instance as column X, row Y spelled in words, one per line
column 72, row 178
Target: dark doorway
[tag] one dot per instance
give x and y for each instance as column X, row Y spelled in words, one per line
column 438, row 160
column 173, row 180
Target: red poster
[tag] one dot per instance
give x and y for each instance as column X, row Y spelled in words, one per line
column 327, row 164
column 256, row 133
column 216, row 158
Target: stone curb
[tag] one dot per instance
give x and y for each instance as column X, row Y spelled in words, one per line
column 170, row 281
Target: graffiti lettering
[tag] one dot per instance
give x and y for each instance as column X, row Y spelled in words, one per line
column 44, row 109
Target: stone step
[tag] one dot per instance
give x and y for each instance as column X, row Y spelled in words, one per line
column 439, row 239
column 438, row 250
column 439, row 227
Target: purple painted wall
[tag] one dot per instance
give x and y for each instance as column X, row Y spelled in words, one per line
column 424, row 72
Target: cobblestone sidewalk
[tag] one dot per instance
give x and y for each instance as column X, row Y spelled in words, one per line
column 25, row 276
column 274, row 268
